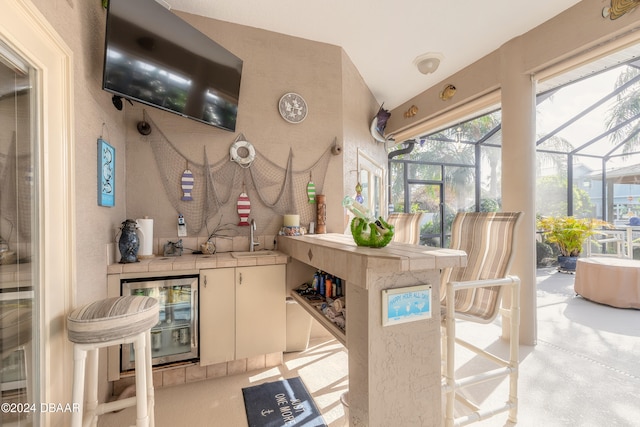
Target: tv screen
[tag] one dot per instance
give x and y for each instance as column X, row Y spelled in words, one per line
column 154, row 57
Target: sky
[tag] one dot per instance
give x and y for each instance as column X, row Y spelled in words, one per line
column 574, row 98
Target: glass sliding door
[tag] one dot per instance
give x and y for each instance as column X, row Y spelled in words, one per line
column 18, row 241
column 427, row 198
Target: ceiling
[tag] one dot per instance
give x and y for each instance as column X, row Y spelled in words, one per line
column 383, row 38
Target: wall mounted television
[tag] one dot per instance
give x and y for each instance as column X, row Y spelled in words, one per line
column 154, row 57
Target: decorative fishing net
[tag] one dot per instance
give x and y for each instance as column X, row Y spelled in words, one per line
column 271, row 188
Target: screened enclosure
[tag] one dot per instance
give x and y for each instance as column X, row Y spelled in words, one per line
column 588, row 153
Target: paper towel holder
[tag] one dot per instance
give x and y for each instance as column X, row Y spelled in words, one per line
column 145, row 227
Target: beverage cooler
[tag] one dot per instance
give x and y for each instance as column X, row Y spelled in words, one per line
column 175, row 337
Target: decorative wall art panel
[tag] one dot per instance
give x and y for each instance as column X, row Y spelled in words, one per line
column 106, row 174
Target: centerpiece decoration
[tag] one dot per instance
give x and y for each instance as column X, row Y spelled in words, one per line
column 365, row 228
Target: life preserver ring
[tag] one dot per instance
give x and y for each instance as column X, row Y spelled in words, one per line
column 242, row 161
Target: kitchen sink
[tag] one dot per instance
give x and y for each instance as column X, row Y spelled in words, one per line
column 253, row 254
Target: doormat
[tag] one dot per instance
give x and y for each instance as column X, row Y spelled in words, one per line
column 281, row 404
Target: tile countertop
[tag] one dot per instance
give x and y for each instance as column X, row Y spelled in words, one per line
column 338, row 254
column 196, row 262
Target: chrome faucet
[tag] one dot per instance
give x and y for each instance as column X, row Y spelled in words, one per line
column 252, row 242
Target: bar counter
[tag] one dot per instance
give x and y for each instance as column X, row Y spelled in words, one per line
column 394, row 370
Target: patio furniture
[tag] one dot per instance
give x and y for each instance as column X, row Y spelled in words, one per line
column 604, row 237
column 114, row 321
column 630, row 243
column 406, row 227
column 473, row 293
column 610, row 281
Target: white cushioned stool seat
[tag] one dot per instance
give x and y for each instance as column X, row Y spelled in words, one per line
column 114, row 321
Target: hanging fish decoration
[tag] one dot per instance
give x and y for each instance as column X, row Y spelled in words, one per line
column 244, row 207
column 187, row 185
column 311, row 190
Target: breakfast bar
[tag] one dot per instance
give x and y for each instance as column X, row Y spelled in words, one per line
column 394, row 366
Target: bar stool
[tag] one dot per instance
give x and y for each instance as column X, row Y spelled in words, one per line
column 113, row 321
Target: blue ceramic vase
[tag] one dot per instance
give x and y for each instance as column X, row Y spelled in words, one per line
column 129, row 242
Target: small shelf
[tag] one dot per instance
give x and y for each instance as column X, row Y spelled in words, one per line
column 314, row 310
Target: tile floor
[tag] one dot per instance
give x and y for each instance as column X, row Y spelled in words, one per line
column 583, row 372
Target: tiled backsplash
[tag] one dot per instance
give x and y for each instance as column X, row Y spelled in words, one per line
column 190, row 244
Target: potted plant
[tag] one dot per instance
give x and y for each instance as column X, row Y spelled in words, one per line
column 569, row 234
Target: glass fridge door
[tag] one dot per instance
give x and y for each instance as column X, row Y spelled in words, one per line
column 175, row 337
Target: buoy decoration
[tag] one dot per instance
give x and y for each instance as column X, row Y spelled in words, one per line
column 244, row 207
column 187, row 185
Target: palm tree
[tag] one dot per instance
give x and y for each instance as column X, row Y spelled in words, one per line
column 621, row 117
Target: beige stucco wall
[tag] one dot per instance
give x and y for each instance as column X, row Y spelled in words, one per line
column 274, row 64
column 574, row 31
column 81, row 25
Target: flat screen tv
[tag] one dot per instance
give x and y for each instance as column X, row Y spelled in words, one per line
column 154, row 57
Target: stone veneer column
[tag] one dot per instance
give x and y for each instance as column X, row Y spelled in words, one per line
column 519, row 177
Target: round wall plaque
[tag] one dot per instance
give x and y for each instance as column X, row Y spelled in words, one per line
column 293, row 107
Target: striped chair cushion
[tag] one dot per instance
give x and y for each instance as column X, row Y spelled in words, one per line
column 406, row 227
column 112, row 319
column 488, row 240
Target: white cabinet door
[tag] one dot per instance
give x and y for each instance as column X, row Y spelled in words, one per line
column 260, row 310
column 242, row 312
column 217, row 315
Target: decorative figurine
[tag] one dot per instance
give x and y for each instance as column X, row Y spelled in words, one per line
column 173, row 248
column 378, row 234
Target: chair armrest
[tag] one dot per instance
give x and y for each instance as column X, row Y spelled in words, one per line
column 484, row 283
column 451, row 288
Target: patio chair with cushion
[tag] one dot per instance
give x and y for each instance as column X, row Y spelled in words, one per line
column 406, row 227
column 473, row 293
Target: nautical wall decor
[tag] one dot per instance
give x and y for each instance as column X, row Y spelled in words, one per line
column 187, row 185
column 242, row 152
column 311, row 190
column 106, row 174
column 619, row 8
column 292, row 107
column 244, row 208
column 271, row 186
